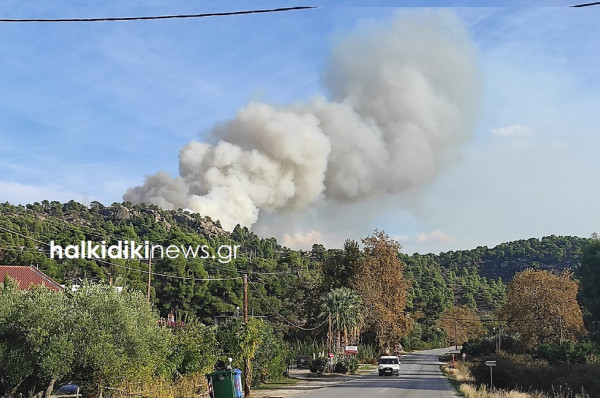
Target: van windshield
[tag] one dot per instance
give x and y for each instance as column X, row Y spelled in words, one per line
column 388, row 361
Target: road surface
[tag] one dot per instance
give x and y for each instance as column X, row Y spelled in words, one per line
column 420, row 377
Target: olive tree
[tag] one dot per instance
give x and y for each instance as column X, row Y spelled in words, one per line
column 95, row 337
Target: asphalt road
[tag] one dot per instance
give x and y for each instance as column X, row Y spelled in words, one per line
column 420, row 377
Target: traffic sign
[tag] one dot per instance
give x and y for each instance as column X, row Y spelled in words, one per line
column 490, row 363
column 331, row 355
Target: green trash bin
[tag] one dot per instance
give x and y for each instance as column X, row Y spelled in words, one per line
column 225, row 383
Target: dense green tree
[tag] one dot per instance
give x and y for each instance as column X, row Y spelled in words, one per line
column 340, row 266
column 36, row 347
column 195, row 349
column 588, row 275
column 94, row 337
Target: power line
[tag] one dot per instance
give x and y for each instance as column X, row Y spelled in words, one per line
column 24, row 236
column 130, row 268
column 168, row 275
column 587, row 4
column 80, row 228
column 85, row 229
column 162, row 274
column 284, row 318
column 149, row 18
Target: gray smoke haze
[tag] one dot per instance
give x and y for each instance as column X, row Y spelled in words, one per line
column 400, row 102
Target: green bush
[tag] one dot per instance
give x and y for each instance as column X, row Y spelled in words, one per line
column 270, row 359
column 341, row 367
column 270, row 362
column 522, row 372
column 195, row 349
column 367, row 353
column 318, row 365
column 487, row 346
column 479, row 347
column 569, row 352
column 352, row 365
column 346, row 365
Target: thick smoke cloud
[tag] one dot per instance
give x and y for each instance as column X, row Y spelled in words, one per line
column 400, row 102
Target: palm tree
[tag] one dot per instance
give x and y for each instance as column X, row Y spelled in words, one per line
column 346, row 317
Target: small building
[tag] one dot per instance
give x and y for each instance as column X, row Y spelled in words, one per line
column 27, row 276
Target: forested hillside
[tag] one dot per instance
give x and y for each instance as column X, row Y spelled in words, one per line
column 506, row 259
column 284, row 283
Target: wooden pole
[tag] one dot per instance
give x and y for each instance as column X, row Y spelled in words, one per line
column 149, row 274
column 455, row 337
column 330, row 337
column 247, row 364
column 245, row 298
column 499, row 338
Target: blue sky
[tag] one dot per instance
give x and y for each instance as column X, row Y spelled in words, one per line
column 88, row 109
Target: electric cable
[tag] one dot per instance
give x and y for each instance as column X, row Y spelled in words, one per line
column 149, row 18
column 281, row 316
column 131, row 268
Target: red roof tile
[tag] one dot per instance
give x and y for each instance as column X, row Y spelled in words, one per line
column 26, row 276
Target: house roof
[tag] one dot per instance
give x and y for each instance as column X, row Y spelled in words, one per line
column 26, row 276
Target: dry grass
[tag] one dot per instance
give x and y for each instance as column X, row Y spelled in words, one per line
column 459, row 373
column 192, row 386
column 461, row 378
column 470, row 391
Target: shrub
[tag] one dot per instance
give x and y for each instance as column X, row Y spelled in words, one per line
column 523, row 372
column 569, row 352
column 479, row 347
column 195, row 349
column 352, row 364
column 367, row 353
column 270, row 362
column 318, row 365
column 341, row 367
column 270, row 358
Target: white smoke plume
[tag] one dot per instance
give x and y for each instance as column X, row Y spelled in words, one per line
column 400, row 102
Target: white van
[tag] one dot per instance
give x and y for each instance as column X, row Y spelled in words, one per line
column 388, row 365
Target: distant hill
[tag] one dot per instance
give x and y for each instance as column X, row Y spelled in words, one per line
column 293, row 282
column 554, row 253
column 477, row 278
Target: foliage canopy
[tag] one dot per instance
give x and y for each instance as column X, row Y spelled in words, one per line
column 542, row 308
column 381, row 285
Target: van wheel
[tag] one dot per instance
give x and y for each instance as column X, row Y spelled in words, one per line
column 380, row 373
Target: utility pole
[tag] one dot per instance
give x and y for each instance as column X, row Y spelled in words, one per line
column 496, row 338
column 455, row 336
column 329, row 337
column 500, row 338
column 245, row 298
column 149, row 274
column 247, row 364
